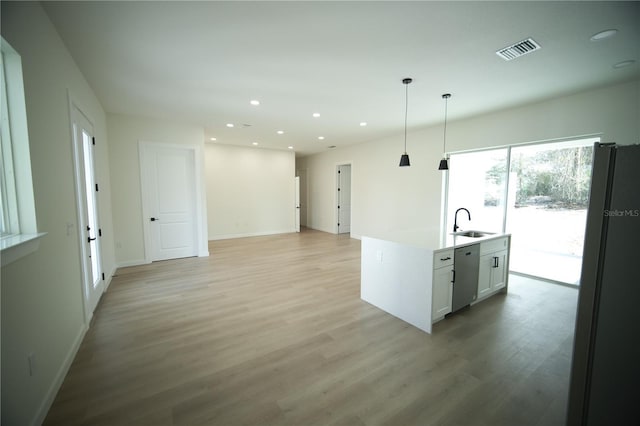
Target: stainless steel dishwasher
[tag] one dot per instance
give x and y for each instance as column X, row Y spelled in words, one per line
column 466, row 262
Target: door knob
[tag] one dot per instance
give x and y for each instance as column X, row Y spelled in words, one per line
column 153, row 219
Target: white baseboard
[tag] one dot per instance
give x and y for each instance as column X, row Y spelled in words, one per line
column 50, row 396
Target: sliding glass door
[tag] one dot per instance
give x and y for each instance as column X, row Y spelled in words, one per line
column 542, row 201
column 548, row 212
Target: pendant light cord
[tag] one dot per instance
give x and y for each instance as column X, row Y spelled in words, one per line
column 444, row 139
column 406, row 111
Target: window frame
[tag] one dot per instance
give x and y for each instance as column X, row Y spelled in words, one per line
column 20, row 235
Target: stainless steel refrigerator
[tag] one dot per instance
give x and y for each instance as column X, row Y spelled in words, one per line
column 605, row 371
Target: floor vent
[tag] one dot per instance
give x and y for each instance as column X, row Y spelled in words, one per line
column 519, row 49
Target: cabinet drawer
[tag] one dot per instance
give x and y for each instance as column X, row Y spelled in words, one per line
column 442, row 258
column 494, row 245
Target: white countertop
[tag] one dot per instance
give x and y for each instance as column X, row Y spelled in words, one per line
column 421, row 238
column 430, row 238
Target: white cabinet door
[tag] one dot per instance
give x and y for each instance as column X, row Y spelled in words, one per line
column 442, row 292
column 492, row 275
column 484, row 275
column 499, row 270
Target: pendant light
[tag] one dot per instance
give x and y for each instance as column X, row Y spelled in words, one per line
column 444, row 163
column 404, row 159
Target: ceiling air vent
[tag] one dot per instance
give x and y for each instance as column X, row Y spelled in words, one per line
column 516, row 50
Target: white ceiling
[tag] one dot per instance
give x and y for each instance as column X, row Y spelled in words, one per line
column 202, row 62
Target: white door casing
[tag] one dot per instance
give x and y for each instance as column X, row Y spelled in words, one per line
column 89, row 231
column 344, row 198
column 169, row 198
column 302, row 174
column 297, row 204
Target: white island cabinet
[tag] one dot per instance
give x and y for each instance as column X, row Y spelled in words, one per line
column 409, row 274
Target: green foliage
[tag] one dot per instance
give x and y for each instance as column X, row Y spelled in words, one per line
column 559, row 176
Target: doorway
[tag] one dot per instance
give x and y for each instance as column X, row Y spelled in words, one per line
column 302, row 174
column 343, row 190
column 89, row 231
column 169, row 202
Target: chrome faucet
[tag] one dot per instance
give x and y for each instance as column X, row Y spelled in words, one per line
column 455, row 220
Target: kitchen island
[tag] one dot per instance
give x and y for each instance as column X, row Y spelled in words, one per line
column 410, row 273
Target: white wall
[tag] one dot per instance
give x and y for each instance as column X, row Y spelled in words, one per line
column 124, row 134
column 250, row 191
column 387, row 197
column 42, row 308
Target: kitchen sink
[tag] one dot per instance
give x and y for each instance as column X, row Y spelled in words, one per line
column 472, row 234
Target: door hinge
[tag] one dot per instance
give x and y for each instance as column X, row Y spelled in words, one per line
column 99, row 232
column 338, row 206
column 96, row 187
column 103, row 276
column 338, row 189
column 93, row 141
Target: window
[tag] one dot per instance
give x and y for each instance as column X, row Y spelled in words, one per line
column 18, row 229
column 477, row 182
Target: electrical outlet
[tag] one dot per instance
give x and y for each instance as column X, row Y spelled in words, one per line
column 31, row 361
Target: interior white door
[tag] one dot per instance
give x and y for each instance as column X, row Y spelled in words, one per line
column 297, row 212
column 87, row 203
column 344, row 198
column 168, row 185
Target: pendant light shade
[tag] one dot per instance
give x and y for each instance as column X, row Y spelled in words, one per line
column 404, row 159
column 444, row 163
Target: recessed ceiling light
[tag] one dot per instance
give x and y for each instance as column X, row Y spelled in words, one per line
column 214, row 139
column 603, row 34
column 254, row 102
column 624, row 64
column 321, row 138
column 363, row 124
column 316, row 114
column 255, row 143
column 229, row 124
column 290, row 147
column 280, row 132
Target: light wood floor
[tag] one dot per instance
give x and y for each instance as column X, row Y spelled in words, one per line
column 272, row 331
